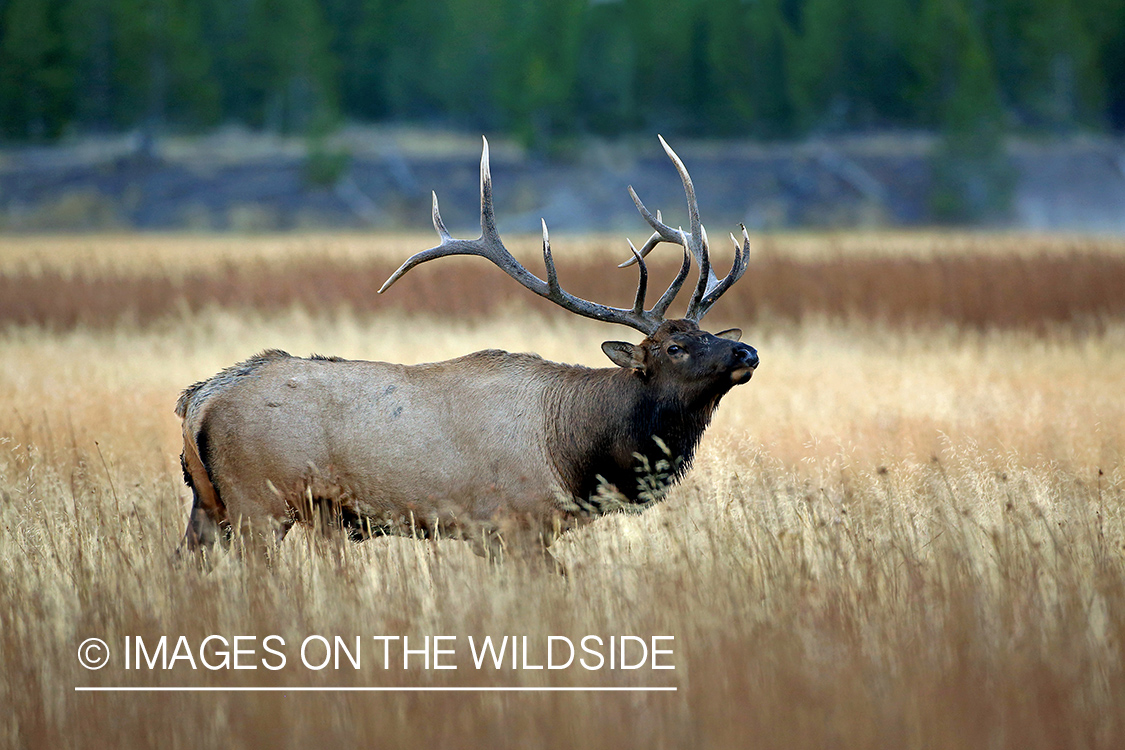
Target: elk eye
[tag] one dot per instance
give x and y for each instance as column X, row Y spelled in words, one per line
column 674, row 349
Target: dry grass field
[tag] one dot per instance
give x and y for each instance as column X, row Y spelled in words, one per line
column 908, row 531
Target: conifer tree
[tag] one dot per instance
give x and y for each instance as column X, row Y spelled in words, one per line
column 36, row 76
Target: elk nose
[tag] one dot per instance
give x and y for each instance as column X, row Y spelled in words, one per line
column 747, row 356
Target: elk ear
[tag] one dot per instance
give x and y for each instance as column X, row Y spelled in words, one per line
column 731, row 334
column 624, row 354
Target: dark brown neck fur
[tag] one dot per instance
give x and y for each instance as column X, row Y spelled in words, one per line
column 601, row 420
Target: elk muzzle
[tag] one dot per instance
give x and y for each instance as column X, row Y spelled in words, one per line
column 745, row 362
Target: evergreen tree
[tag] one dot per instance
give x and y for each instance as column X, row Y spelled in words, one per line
column 749, row 59
column 537, row 68
column 409, row 76
column 289, row 68
column 606, row 71
column 87, row 27
column 362, row 36
column 972, row 175
column 1108, row 18
column 774, row 68
column 36, row 75
column 852, row 64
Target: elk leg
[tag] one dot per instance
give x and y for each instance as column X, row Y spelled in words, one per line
column 261, row 525
column 207, row 522
column 252, row 542
column 204, row 530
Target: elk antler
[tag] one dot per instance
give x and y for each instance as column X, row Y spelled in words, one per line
column 489, row 246
column 707, row 291
column 709, row 288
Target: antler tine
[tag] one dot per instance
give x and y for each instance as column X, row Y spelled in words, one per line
column 549, row 262
column 694, row 241
column 642, row 283
column 636, row 317
column 697, row 240
column 662, row 304
column 439, row 225
column 709, row 288
column 705, row 273
column 646, row 248
column 689, row 187
column 490, row 246
column 741, row 261
column 661, row 231
column 487, row 212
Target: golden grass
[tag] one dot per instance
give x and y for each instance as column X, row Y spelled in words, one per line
column 1037, row 292
column 892, row 537
column 177, row 255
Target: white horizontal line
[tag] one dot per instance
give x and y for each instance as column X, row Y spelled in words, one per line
column 305, row 689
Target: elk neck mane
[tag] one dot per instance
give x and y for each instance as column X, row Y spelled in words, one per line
column 597, row 422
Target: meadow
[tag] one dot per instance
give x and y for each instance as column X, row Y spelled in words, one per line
column 908, row 530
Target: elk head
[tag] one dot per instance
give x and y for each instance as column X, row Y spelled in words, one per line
column 680, row 357
column 673, row 350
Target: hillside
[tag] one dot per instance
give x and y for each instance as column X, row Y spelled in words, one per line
column 381, row 178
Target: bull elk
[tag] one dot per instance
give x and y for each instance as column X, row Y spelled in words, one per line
column 503, row 450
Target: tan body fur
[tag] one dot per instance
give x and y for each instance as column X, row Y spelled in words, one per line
column 410, row 447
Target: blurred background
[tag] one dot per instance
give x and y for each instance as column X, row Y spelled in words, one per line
column 260, row 115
